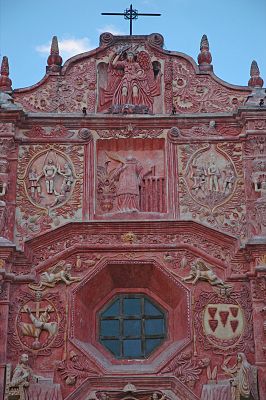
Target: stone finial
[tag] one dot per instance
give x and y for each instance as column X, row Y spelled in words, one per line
column 54, row 60
column 255, row 79
column 5, row 81
column 204, row 57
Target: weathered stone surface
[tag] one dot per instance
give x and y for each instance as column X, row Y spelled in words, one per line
column 132, row 171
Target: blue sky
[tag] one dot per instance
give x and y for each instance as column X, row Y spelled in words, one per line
column 236, row 30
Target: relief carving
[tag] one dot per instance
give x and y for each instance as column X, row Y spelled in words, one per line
column 50, row 179
column 132, row 82
column 36, row 323
column 49, row 188
column 127, row 184
column 75, row 369
column 223, row 322
column 210, row 177
column 244, row 382
column 37, row 320
column 72, row 91
column 198, row 93
column 61, row 272
column 25, row 385
column 201, row 271
column 186, row 368
column 211, row 186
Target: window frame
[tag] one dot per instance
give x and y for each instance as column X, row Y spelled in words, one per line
column 142, row 316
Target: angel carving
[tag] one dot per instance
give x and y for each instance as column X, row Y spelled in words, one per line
column 60, row 272
column 132, row 80
column 201, row 271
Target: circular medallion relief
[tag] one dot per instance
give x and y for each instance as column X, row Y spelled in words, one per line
column 49, row 179
column 210, row 177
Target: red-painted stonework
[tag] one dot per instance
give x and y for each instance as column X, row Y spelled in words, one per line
column 131, row 170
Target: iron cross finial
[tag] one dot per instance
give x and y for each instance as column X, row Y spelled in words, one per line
column 131, row 14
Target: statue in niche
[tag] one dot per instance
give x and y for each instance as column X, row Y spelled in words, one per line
column 132, row 80
column 200, row 271
column 244, row 378
column 127, row 185
column 128, row 175
column 61, row 272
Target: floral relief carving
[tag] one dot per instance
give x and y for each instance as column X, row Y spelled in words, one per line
column 38, row 131
column 75, row 369
column 186, row 368
column 68, row 93
column 94, row 239
column 129, row 132
column 197, row 93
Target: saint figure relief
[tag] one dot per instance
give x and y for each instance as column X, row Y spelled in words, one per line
column 244, row 378
column 132, row 80
column 128, row 174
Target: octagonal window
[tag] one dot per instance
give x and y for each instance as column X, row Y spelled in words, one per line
column 132, row 326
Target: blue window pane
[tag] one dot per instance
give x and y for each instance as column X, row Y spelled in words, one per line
column 151, row 344
column 132, row 306
column 110, row 328
column 113, row 346
column 154, row 327
column 150, row 309
column 132, row 348
column 113, row 310
column 132, row 327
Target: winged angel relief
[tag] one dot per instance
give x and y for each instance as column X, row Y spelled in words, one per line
column 132, row 82
column 60, row 272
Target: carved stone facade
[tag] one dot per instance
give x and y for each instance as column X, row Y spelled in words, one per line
column 132, row 173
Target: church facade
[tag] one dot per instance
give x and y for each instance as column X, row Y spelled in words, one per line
column 133, row 228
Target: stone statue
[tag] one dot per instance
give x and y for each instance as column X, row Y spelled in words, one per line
column 49, row 171
column 59, row 273
column 229, row 179
column 68, row 177
column 244, row 378
column 22, row 373
column 17, row 386
column 213, row 174
column 128, row 175
column 131, row 80
column 200, row 271
column 35, row 187
column 24, row 385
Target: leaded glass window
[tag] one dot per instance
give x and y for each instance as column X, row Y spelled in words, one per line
column 132, row 326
